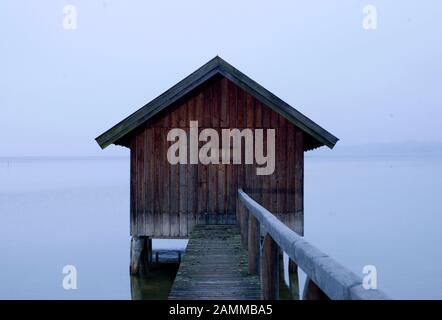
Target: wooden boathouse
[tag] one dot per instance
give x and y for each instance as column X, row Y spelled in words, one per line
column 213, row 200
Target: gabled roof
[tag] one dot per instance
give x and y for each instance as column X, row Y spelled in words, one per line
column 194, row 80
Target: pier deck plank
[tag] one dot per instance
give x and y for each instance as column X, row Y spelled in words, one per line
column 215, row 267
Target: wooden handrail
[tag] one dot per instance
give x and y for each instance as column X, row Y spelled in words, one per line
column 323, row 272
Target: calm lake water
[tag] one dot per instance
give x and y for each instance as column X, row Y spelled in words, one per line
column 384, row 211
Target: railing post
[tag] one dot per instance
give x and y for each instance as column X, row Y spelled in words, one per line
column 238, row 213
column 270, row 269
column 244, row 226
column 332, row 280
column 313, row 292
column 242, row 222
column 293, row 279
column 254, row 245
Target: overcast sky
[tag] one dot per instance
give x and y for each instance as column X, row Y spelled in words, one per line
column 59, row 89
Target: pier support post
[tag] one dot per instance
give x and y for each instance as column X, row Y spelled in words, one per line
column 270, row 269
column 140, row 254
column 149, row 250
column 254, row 245
column 136, row 247
column 136, row 291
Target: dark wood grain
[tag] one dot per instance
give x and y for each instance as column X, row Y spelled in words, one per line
column 167, row 201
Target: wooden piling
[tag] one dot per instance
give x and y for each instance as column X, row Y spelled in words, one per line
column 254, row 245
column 270, row 269
column 313, row 292
column 293, row 267
column 293, row 279
column 137, row 245
column 149, row 250
column 140, row 254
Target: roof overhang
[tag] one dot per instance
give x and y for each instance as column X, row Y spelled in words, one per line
column 197, row 78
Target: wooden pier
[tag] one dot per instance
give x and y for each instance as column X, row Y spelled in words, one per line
column 190, row 198
column 243, row 262
column 215, row 266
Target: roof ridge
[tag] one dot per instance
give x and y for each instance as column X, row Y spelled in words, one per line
column 214, row 66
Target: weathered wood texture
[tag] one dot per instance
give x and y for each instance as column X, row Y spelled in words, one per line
column 325, row 274
column 270, row 269
column 215, row 267
column 293, row 279
column 313, row 292
column 254, row 245
column 140, row 255
column 167, row 201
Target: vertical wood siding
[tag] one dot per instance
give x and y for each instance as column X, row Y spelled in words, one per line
column 167, row 201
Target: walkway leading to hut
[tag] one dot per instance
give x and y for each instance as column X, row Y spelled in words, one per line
column 215, row 267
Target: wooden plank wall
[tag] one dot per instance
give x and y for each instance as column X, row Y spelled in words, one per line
column 168, row 200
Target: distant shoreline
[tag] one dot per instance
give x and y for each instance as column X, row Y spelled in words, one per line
column 63, row 158
column 381, row 150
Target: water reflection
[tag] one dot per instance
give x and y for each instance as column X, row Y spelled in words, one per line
column 155, row 284
column 93, row 224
